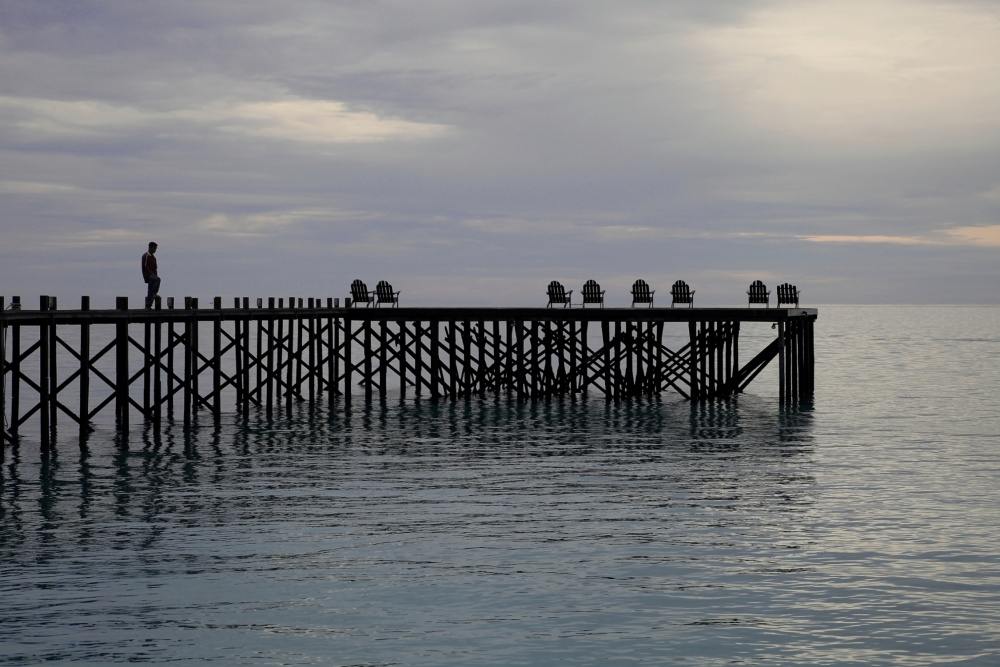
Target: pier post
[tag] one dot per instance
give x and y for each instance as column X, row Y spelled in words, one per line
column 383, row 358
column 366, row 327
column 418, row 358
column 157, row 412
column 402, row 359
column 43, row 377
column 509, row 357
column 15, row 372
column 188, row 393
column 520, row 369
column 452, row 359
column 269, row 372
column 693, row 361
column 194, row 351
column 279, row 389
column 435, row 345
column 311, row 337
column 483, row 368
column 335, row 324
column 147, row 363
column 217, row 359
column 121, row 371
column 782, row 371
column 238, row 352
column 290, row 365
column 84, row 375
column 3, row 383
column 53, row 405
column 498, row 355
column 348, row 344
column 244, row 354
column 171, row 346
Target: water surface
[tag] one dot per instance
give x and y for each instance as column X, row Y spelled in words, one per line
column 858, row 530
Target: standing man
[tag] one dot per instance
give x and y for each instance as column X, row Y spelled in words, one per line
column 149, row 275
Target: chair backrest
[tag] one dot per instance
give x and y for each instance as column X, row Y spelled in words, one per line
column 359, row 292
column 758, row 293
column 557, row 293
column 592, row 292
column 384, row 292
column 788, row 293
column 641, row 292
column 681, row 293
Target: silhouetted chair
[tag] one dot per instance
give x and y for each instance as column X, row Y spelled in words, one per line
column 384, row 294
column 788, row 294
column 558, row 294
column 641, row 293
column 592, row 293
column 758, row 294
column 360, row 293
column 681, row 293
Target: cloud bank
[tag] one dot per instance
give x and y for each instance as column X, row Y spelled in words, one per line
column 471, row 152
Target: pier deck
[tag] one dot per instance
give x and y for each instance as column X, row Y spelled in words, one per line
column 76, row 364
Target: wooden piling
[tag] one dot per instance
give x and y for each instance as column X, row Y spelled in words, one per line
column 15, row 374
column 157, row 414
column 216, row 364
column 121, row 372
column 282, row 354
column 4, row 437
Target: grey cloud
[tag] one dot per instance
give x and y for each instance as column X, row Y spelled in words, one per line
column 577, row 140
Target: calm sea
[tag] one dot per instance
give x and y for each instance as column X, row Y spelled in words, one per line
column 862, row 530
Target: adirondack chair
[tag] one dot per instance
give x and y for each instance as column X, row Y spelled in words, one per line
column 788, row 294
column 384, row 294
column 681, row 293
column 641, row 293
column 758, row 293
column 558, row 294
column 592, row 293
column 360, row 293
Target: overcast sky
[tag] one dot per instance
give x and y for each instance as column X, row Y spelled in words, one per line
column 470, row 151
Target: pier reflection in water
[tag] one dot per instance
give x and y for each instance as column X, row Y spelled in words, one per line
column 476, row 532
column 861, row 532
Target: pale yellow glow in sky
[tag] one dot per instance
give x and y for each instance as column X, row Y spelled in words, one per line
column 873, row 238
column 987, row 235
column 291, row 119
column 321, row 121
column 873, row 72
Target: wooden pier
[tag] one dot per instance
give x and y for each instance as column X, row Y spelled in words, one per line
column 70, row 366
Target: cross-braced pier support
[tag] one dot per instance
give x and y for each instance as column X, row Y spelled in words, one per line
column 173, row 364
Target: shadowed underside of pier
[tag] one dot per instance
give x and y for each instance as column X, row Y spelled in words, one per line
column 73, row 365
